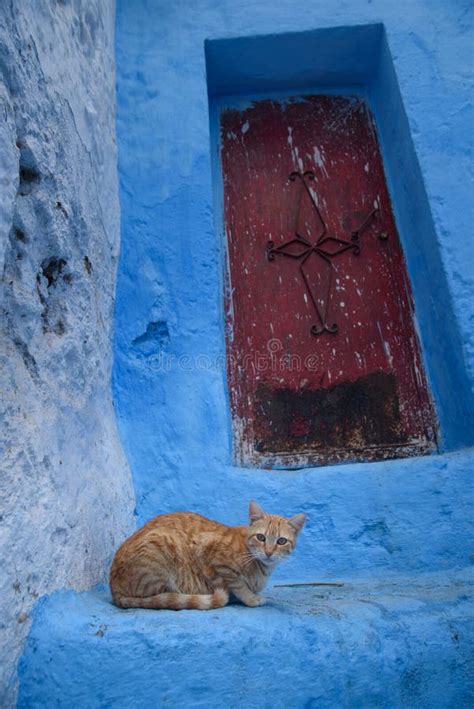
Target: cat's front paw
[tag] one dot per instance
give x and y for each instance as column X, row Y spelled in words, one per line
column 255, row 601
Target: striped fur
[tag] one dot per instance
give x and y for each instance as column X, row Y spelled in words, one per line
column 183, row 560
column 177, row 601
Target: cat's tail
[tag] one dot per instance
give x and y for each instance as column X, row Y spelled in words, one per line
column 176, row 601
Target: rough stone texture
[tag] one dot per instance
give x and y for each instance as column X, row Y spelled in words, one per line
column 392, row 643
column 404, row 646
column 65, row 492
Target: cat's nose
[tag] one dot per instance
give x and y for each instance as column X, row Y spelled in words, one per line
column 268, row 553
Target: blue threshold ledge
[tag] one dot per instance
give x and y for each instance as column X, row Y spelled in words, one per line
column 387, row 642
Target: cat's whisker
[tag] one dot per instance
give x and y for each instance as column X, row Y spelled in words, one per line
column 247, row 559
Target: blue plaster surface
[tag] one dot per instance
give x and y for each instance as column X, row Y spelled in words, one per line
column 380, row 640
column 66, row 493
column 169, row 378
column 402, row 642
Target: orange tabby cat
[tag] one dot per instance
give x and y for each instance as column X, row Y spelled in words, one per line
column 183, row 560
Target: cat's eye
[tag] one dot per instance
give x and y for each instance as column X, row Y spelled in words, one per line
column 260, row 537
column 282, row 540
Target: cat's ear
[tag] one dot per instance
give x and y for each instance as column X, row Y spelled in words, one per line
column 255, row 512
column 297, row 521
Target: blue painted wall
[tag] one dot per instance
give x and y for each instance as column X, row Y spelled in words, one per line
column 169, row 379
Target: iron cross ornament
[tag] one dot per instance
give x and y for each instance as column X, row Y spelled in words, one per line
column 327, row 247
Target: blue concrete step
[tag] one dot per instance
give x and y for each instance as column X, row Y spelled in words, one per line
column 393, row 642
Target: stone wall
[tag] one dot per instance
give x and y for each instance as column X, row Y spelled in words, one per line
column 66, row 497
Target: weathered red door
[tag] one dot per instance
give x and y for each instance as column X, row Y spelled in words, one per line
column 323, row 359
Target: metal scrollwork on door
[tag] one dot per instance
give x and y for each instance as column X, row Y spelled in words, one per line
column 326, row 247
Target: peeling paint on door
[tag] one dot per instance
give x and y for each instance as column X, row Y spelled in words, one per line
column 323, row 360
